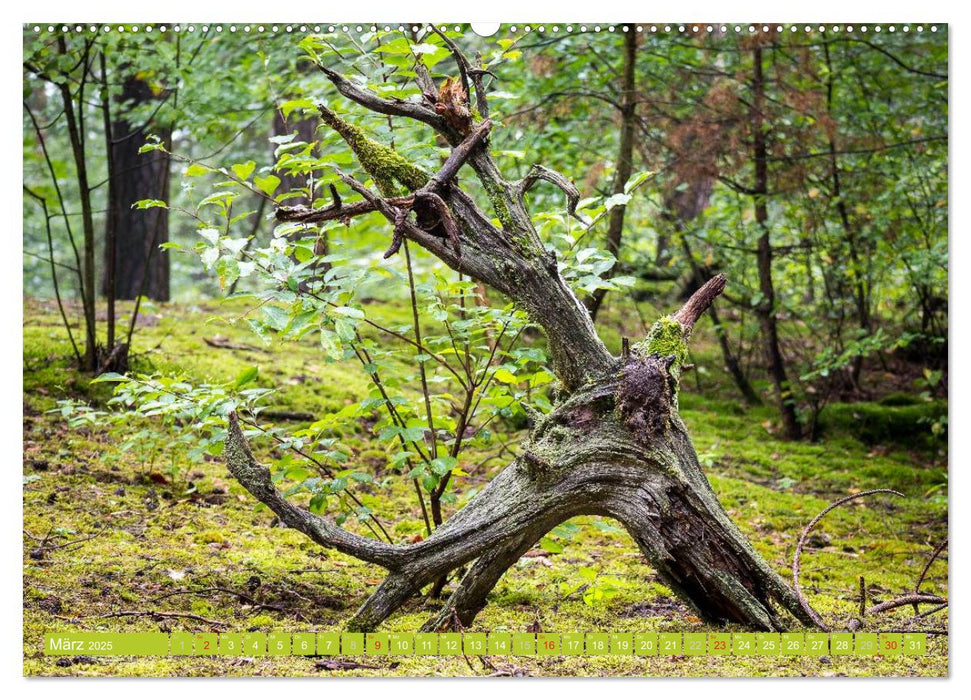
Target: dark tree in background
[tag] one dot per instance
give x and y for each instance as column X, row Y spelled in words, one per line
column 140, row 267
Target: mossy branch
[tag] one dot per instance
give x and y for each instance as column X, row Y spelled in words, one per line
column 669, row 335
column 385, row 165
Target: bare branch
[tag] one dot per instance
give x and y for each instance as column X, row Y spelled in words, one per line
column 923, row 574
column 459, row 156
column 699, row 302
column 539, row 172
column 431, row 217
column 909, row 599
column 255, row 478
column 393, row 107
column 305, row 215
column 805, row 535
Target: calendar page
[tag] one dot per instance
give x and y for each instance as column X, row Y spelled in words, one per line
column 437, row 349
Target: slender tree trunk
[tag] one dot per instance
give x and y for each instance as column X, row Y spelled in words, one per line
column 766, row 308
column 76, row 133
column 860, row 294
column 625, row 161
column 728, row 357
column 111, row 242
column 140, row 267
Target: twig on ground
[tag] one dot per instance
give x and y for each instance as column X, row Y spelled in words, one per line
column 802, row 542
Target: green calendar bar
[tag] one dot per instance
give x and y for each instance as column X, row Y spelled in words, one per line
column 645, row 644
column 107, row 644
column 254, row 644
column 571, row 644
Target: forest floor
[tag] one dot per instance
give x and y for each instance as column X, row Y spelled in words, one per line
column 112, row 527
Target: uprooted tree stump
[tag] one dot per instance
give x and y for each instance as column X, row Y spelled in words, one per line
column 613, row 445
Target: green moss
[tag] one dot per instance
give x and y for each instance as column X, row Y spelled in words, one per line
column 770, row 487
column 906, row 426
column 385, row 165
column 666, row 338
column 498, row 201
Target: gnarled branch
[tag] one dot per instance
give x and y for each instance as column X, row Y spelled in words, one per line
column 392, row 107
column 255, row 478
column 539, row 172
column 805, row 535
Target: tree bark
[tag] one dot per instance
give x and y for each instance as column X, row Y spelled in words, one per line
column 74, row 117
column 141, row 268
column 615, row 448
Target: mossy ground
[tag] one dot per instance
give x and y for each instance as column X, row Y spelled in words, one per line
column 161, row 545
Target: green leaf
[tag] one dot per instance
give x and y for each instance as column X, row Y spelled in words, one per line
column 616, row 200
column 330, row 342
column 276, row 317
column 443, row 465
column 290, row 105
column 505, row 376
column 412, row 434
column 348, row 311
column 246, row 376
column 267, row 184
column 149, row 204
column 244, row 170
column 588, row 573
column 109, row 377
column 210, row 234
column 195, row 170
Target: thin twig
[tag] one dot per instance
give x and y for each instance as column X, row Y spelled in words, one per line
column 802, row 542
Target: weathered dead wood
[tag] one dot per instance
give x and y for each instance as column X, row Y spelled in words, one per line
column 584, row 458
column 539, row 172
column 699, row 302
column 613, row 445
column 915, row 599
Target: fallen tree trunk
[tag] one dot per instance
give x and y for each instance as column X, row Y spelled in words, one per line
column 615, row 448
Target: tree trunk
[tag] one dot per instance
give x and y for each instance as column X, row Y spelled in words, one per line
column 74, row 117
column 625, row 161
column 140, row 267
column 616, row 448
column 860, row 293
column 765, row 309
column 728, row 357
